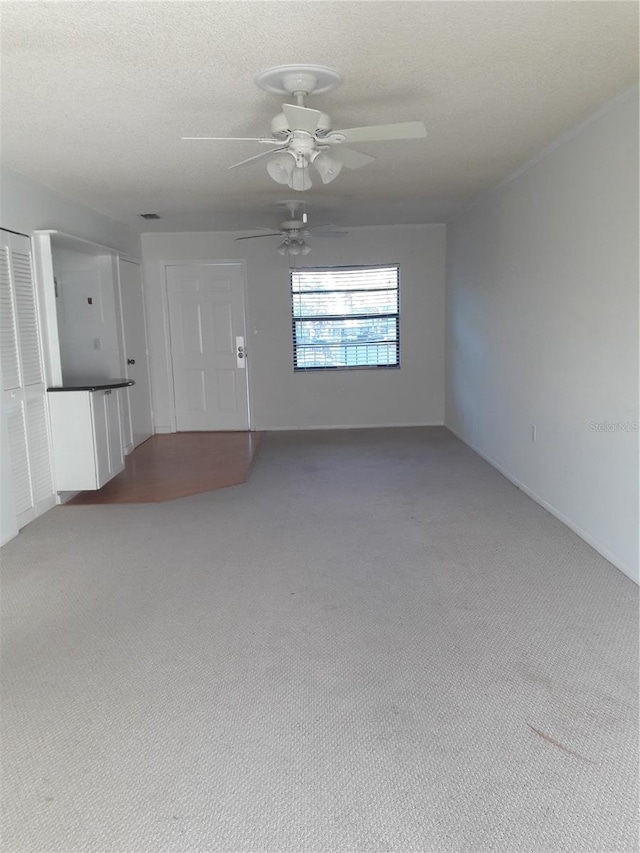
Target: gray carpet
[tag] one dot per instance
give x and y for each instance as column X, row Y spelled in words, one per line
column 376, row 644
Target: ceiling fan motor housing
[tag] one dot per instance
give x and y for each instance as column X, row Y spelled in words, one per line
column 280, row 126
column 291, row 225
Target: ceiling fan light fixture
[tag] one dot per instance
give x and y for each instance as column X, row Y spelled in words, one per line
column 327, row 167
column 296, row 246
column 281, row 168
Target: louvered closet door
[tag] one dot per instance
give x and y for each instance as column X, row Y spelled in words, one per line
column 24, row 391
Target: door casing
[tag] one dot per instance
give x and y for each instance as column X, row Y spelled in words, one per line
column 139, row 348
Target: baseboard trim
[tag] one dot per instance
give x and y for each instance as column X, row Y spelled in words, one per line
column 348, row 426
column 597, row 546
column 8, row 537
column 168, row 430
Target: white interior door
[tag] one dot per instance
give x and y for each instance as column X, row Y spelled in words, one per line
column 206, row 320
column 135, row 348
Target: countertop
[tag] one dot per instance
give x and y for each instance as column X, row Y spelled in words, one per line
column 86, row 384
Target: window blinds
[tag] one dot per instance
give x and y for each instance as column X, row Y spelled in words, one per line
column 345, row 317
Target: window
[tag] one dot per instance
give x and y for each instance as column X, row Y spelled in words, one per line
column 345, row 317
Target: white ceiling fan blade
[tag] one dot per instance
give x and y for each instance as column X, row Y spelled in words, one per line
column 263, row 140
column 258, row 156
column 349, row 158
column 323, row 226
column 326, row 231
column 301, row 118
column 381, row 132
column 333, row 234
column 255, row 236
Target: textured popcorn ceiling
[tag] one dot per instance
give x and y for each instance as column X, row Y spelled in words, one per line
column 95, row 96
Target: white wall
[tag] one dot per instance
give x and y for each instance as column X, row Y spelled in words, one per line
column 88, row 332
column 26, row 207
column 281, row 399
column 542, row 328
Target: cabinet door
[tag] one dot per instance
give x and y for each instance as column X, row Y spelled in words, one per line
column 99, row 411
column 107, row 434
column 114, row 430
column 74, row 415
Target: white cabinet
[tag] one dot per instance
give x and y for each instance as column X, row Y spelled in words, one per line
column 95, row 322
column 86, row 436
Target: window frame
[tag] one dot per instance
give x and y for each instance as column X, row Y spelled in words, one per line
column 294, row 319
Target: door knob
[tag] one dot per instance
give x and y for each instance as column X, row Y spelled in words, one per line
column 131, row 361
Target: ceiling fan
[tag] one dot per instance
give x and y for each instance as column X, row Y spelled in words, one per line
column 295, row 230
column 303, row 137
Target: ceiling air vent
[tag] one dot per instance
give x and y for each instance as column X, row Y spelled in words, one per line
column 150, row 215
